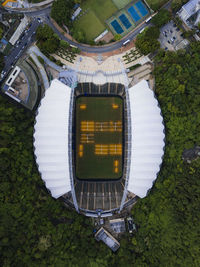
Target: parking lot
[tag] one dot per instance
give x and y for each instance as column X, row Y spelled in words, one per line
column 171, row 38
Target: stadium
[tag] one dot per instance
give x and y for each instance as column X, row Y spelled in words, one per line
column 98, row 145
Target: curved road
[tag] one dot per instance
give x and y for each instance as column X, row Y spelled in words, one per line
column 44, row 15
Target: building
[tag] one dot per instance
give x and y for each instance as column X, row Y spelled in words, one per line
column 76, row 13
column 190, row 13
column 133, row 161
column 107, row 238
column 191, row 154
column 22, row 85
column 118, row 225
column 19, row 30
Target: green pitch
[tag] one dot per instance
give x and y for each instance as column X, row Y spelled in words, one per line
column 93, row 16
column 99, row 137
column 121, row 3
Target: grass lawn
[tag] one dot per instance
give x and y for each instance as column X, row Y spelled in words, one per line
column 121, row 3
column 93, row 22
column 90, row 24
column 98, row 138
column 154, row 4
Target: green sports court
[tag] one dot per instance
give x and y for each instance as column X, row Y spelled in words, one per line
column 120, row 16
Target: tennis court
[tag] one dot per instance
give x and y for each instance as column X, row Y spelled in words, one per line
column 115, row 24
column 134, row 14
column 99, row 133
column 125, row 21
column 141, row 7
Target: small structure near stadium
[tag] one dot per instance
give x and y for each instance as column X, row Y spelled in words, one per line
column 99, row 147
column 107, row 238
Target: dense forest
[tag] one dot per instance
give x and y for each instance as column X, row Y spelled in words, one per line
column 62, row 11
column 36, row 230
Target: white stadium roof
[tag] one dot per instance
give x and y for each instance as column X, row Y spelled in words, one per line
column 147, row 135
column 51, row 138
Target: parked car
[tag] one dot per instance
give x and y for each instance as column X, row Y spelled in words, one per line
column 130, row 225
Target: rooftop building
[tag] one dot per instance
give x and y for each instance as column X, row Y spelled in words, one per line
column 107, row 238
column 65, row 147
column 189, row 12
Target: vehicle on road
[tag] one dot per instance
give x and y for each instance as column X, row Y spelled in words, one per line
column 142, row 30
column 126, row 42
column 147, row 20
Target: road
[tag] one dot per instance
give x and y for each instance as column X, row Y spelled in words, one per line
column 20, row 46
column 44, row 14
column 96, row 49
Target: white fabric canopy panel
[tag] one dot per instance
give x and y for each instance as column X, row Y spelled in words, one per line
column 147, row 145
column 51, row 138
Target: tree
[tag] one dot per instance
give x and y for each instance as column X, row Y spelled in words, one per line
column 117, row 37
column 161, row 18
column 155, row 5
column 62, row 11
column 1, row 32
column 177, row 4
column 48, row 41
column 147, row 41
column 79, row 36
column 1, row 62
column 64, row 44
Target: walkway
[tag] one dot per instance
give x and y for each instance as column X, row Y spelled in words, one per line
column 41, row 70
column 35, row 50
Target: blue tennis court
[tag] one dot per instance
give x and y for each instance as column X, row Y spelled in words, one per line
column 125, row 21
column 115, row 24
column 141, row 7
column 133, row 13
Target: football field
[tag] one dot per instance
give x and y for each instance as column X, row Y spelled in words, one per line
column 99, row 137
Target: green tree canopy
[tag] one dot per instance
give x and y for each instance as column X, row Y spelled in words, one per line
column 1, row 32
column 1, row 62
column 62, row 11
column 147, row 41
column 161, row 18
column 48, row 41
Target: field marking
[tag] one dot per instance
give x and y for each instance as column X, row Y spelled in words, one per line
column 83, row 106
column 87, row 138
column 80, row 151
column 116, row 164
column 111, row 149
column 87, row 126
column 115, row 106
column 104, row 126
column 116, row 170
